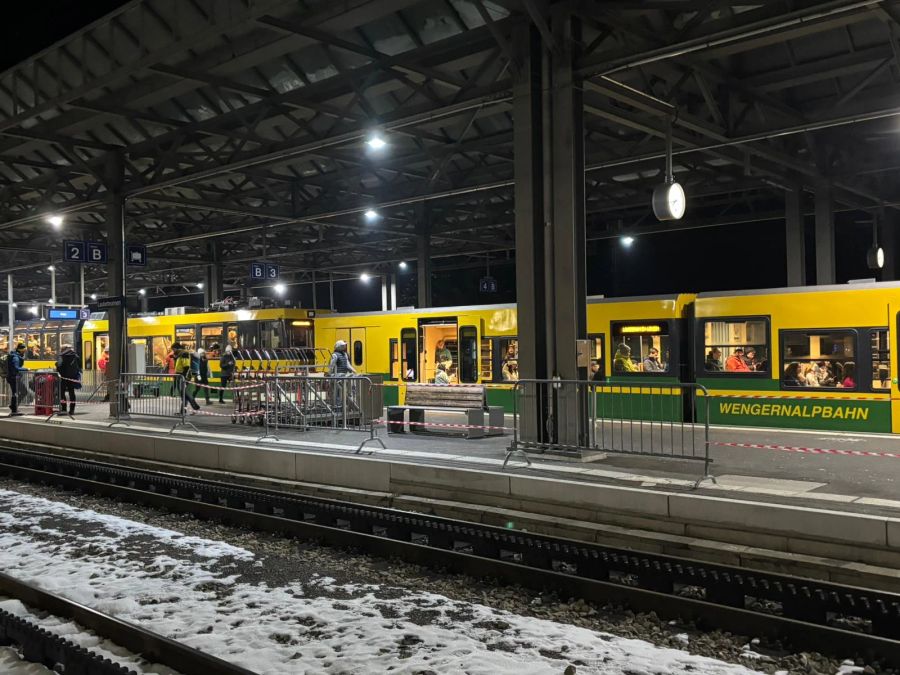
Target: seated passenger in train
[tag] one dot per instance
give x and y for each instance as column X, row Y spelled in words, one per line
column 750, row 359
column 792, row 376
column 622, row 362
column 735, row 363
column 849, row 375
column 652, row 364
column 440, row 374
column 510, row 371
column 714, row 360
column 808, row 375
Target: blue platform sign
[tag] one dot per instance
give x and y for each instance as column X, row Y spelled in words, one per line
column 136, row 254
column 62, row 314
column 96, row 253
column 257, row 271
column 271, row 271
column 74, row 251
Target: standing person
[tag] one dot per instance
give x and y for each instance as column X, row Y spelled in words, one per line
column 340, row 367
column 442, row 354
column 184, row 369
column 202, row 374
column 227, row 365
column 102, row 363
column 15, row 364
column 67, row 365
column 170, row 367
column 652, row 363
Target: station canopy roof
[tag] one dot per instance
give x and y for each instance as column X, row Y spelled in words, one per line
column 243, row 125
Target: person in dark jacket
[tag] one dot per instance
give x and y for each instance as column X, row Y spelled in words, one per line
column 70, row 378
column 340, row 360
column 15, row 364
column 227, row 365
column 183, row 368
column 201, row 374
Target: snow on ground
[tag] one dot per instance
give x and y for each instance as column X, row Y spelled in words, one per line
column 191, row 589
column 10, row 664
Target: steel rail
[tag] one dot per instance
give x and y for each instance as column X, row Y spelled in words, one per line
column 643, row 581
column 151, row 646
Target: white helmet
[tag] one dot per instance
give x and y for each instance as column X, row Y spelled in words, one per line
column 339, row 345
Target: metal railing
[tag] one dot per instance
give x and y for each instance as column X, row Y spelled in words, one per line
column 24, row 387
column 571, row 417
column 152, row 395
column 301, row 401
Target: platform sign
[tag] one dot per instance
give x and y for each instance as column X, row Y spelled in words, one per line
column 84, row 314
column 110, row 302
column 271, row 271
column 62, row 314
column 96, row 253
column 136, row 254
column 257, row 271
column 487, row 285
column 74, row 251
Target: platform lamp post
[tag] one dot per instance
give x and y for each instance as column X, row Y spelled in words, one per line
column 669, row 202
column 875, row 255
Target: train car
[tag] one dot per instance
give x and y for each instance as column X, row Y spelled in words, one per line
column 480, row 343
column 813, row 358
column 249, row 330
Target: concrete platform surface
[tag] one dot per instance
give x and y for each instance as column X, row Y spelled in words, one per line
column 790, row 474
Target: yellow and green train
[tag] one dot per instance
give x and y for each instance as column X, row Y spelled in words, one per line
column 815, row 358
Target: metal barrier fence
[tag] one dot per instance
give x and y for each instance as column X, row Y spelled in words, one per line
column 570, row 417
column 24, row 387
column 308, row 402
column 153, row 395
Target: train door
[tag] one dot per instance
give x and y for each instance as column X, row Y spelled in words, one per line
column 474, row 366
column 894, row 369
column 438, row 344
column 356, row 349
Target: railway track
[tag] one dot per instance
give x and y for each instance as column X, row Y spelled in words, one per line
column 39, row 645
column 809, row 614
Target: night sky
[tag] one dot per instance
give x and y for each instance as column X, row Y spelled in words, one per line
column 730, row 257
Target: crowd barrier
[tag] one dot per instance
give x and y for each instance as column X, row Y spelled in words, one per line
column 571, row 417
column 159, row 395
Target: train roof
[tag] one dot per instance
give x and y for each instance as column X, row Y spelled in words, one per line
column 860, row 286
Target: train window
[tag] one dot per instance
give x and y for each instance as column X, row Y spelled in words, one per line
column 641, row 347
column 409, row 355
column 880, row 347
column 160, row 347
column 818, row 358
column 234, row 335
column 394, row 351
column 487, row 359
column 270, row 334
column 299, row 331
column 736, row 346
column 51, row 344
column 357, row 352
column 186, row 336
column 33, row 345
column 468, row 354
column 211, row 335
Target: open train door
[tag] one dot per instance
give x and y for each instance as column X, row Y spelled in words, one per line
column 404, row 359
column 894, row 325
column 468, row 349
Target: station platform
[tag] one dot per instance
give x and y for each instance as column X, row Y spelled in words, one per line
column 822, row 515
column 853, row 472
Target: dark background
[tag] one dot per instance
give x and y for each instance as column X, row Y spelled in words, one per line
column 718, row 258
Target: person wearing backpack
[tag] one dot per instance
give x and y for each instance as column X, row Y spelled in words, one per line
column 183, row 367
column 227, row 365
column 69, row 369
column 15, row 364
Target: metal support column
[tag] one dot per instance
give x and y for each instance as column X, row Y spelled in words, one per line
column 81, row 283
column 315, row 301
column 384, row 293
column 393, row 299
column 52, row 284
column 331, row 291
column 567, row 221
column 213, row 283
column 528, row 167
column 795, row 243
column 115, row 238
column 423, row 256
column 11, row 311
column 825, row 272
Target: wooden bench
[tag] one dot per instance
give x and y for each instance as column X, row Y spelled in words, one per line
column 468, row 400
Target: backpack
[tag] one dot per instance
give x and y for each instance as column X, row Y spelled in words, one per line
column 4, row 365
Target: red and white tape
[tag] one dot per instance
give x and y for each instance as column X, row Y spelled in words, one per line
column 809, row 451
